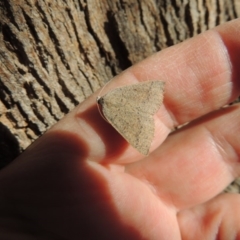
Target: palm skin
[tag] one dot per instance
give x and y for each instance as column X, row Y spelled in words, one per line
column 81, row 180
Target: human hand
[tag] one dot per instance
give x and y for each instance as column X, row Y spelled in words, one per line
column 81, row 180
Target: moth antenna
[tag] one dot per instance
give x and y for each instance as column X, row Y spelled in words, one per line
column 99, row 109
column 99, row 98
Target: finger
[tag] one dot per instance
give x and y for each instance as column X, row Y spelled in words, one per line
column 201, row 74
column 200, row 77
column 196, row 163
column 217, row 219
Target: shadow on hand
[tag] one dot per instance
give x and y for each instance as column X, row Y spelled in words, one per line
column 53, row 187
column 114, row 143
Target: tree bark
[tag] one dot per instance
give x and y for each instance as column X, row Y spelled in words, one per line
column 54, row 54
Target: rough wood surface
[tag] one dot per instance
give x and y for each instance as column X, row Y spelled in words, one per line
column 53, row 54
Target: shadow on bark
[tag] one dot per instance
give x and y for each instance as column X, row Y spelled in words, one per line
column 9, row 147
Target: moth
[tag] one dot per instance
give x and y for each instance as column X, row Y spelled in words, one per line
column 130, row 110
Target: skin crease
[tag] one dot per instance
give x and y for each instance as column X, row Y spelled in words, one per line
column 81, row 180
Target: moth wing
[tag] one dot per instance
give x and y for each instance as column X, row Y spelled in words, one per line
column 136, row 128
column 145, row 97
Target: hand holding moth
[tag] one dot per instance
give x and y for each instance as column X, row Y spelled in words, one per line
column 82, row 180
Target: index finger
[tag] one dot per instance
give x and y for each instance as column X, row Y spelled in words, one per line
column 201, row 73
